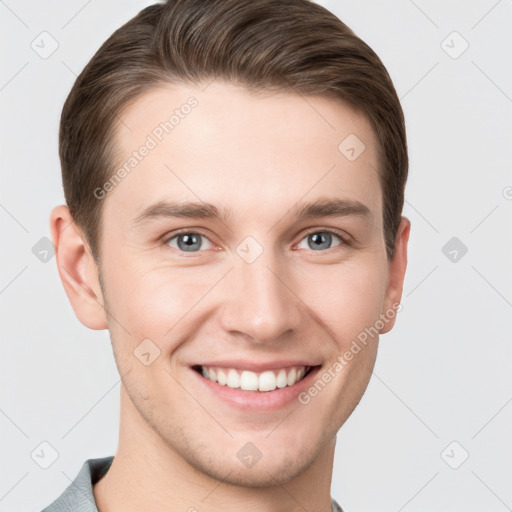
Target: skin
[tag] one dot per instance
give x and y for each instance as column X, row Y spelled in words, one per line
column 259, row 156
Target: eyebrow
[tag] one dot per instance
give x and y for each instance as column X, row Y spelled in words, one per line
column 323, row 207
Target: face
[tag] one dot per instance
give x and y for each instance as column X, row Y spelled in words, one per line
column 270, row 276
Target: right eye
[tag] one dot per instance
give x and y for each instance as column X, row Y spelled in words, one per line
column 188, row 241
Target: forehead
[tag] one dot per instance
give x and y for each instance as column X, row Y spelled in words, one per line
column 225, row 145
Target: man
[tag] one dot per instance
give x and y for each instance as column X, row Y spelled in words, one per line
column 234, row 173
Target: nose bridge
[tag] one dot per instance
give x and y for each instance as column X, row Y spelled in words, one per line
column 259, row 302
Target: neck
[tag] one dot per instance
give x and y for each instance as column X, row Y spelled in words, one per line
column 151, row 475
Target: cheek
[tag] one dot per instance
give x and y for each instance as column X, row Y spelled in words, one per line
column 346, row 297
column 156, row 302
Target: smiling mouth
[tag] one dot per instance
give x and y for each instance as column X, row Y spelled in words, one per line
column 246, row 380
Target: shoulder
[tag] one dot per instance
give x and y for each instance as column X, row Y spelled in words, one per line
column 335, row 506
column 78, row 496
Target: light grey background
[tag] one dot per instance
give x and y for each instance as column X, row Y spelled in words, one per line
column 442, row 374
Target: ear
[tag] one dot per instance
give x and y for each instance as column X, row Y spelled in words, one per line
column 77, row 269
column 397, row 267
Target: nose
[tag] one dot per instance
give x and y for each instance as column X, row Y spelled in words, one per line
column 260, row 302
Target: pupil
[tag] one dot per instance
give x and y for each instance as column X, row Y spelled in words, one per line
column 321, row 240
column 187, row 242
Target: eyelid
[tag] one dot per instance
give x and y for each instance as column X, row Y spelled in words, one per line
column 346, row 239
column 345, row 236
column 197, row 231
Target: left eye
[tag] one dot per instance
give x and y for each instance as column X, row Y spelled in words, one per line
column 188, row 242
column 320, row 240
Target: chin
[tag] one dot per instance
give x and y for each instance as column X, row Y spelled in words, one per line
column 265, row 473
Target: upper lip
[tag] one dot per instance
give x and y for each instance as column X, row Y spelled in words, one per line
column 244, row 364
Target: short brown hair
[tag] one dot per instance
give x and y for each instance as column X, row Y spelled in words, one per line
column 293, row 46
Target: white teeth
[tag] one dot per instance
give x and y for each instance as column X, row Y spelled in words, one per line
column 221, row 377
column 282, row 381
column 267, row 381
column 249, row 381
column 233, row 379
column 252, row 381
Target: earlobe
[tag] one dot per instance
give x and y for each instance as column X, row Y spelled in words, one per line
column 397, row 268
column 77, row 269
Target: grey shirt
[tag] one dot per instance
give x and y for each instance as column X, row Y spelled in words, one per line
column 78, row 496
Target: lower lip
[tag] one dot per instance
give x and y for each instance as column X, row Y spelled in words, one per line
column 259, row 401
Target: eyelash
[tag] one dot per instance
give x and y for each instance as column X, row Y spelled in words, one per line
column 344, row 240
